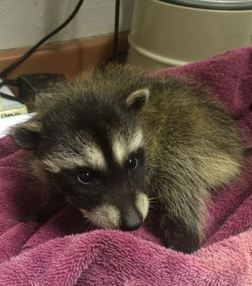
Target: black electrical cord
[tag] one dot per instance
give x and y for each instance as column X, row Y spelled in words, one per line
column 28, row 53
column 116, row 29
column 115, row 53
column 9, row 97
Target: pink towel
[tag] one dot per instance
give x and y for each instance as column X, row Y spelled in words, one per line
column 66, row 251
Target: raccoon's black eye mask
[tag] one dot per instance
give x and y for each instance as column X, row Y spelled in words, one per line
column 86, row 176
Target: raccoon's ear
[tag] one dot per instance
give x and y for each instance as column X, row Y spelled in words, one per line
column 138, row 98
column 27, row 135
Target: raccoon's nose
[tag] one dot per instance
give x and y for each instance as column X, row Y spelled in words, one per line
column 131, row 220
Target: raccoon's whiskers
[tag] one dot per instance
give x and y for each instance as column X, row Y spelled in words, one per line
column 152, row 201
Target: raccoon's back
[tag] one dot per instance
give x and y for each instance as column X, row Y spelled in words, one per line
column 187, row 132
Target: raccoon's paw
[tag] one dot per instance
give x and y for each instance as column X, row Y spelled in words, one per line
column 43, row 212
column 188, row 246
column 184, row 241
column 26, row 219
column 36, row 216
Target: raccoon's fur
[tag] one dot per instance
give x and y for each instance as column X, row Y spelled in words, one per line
column 121, row 145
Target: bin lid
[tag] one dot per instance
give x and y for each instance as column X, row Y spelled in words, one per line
column 214, row 4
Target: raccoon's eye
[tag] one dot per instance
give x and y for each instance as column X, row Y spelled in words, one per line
column 132, row 163
column 85, row 176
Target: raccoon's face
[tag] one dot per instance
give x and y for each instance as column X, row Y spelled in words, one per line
column 93, row 149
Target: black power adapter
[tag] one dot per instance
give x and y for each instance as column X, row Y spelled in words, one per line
column 30, row 85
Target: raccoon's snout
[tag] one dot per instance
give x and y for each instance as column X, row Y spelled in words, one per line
column 132, row 220
column 108, row 215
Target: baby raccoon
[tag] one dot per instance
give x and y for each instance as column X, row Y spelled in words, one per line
column 120, row 145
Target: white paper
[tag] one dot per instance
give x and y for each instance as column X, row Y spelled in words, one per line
column 6, row 123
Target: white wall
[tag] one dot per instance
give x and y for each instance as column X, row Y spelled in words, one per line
column 23, row 22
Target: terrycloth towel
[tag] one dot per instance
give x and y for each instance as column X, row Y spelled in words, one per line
column 65, row 251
